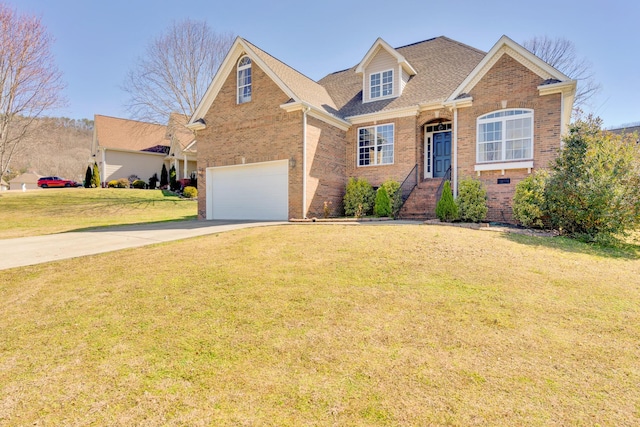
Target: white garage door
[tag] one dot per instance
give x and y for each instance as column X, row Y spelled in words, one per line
column 251, row 191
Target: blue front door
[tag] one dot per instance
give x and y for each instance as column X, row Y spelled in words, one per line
column 441, row 153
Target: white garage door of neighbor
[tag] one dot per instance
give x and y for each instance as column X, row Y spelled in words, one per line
column 251, row 191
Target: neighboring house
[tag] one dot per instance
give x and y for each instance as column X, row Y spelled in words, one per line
column 182, row 150
column 29, row 179
column 633, row 128
column 274, row 144
column 3, row 185
column 124, row 147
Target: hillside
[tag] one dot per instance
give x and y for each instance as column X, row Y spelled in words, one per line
column 55, row 146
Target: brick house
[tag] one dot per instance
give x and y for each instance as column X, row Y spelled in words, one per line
column 274, row 144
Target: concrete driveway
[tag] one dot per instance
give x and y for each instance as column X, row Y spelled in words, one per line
column 53, row 247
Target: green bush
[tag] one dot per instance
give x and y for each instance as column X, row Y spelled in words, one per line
column 138, row 183
column 359, row 197
column 118, row 183
column 164, row 176
column 95, row 177
column 529, row 200
column 382, row 205
column 472, row 200
column 395, row 196
column 153, row 181
column 446, row 209
column 190, row 192
column 88, row 177
column 173, row 180
column 592, row 193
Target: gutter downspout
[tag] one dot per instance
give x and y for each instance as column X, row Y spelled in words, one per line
column 305, row 110
column 454, row 174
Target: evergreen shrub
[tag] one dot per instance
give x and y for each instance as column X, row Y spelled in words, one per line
column 395, row 196
column 359, row 197
column 529, row 201
column 446, row 209
column 472, row 200
column 138, row 183
column 382, row 205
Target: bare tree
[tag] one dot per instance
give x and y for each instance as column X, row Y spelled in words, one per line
column 30, row 82
column 561, row 54
column 176, row 70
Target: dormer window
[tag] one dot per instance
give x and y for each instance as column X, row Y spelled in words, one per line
column 244, row 80
column 381, row 84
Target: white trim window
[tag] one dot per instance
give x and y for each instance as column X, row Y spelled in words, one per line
column 375, row 145
column 505, row 135
column 381, row 84
column 244, row 80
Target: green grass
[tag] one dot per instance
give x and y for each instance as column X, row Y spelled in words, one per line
column 58, row 210
column 326, row 325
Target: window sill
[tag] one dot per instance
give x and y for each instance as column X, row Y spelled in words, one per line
column 375, row 166
column 503, row 166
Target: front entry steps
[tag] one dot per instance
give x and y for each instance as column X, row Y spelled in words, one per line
column 421, row 203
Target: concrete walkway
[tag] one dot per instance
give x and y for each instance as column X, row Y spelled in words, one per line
column 53, row 247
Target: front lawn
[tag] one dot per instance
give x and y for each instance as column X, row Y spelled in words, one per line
column 48, row 211
column 326, row 325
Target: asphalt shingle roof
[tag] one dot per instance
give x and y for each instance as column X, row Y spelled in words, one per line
column 441, row 65
column 302, row 86
column 177, row 128
column 113, row 132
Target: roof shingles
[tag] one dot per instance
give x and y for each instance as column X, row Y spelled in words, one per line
column 123, row 134
column 441, row 65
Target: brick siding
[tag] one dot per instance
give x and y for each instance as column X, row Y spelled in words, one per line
column 509, row 81
column 404, row 155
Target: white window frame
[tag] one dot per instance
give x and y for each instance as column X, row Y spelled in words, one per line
column 376, row 159
column 381, row 85
column 242, row 85
column 503, row 117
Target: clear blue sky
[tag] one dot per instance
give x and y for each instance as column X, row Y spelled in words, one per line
column 97, row 42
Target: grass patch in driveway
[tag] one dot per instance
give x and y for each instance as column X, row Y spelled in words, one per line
column 324, row 325
column 49, row 211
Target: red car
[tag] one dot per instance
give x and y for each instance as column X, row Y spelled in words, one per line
column 56, row 181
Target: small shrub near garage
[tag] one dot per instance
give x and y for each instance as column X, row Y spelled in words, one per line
column 113, row 183
column 359, row 197
column 472, row 200
column 190, row 192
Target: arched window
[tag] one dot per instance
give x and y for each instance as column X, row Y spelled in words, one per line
column 505, row 135
column 244, row 80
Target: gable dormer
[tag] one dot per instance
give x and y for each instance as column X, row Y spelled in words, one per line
column 385, row 72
